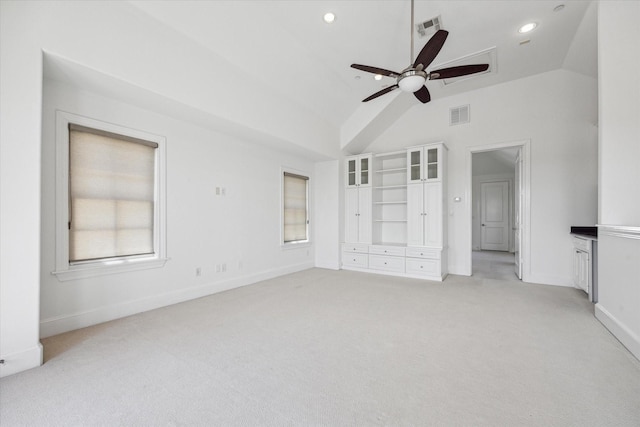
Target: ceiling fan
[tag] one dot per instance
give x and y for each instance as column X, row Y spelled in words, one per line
column 413, row 78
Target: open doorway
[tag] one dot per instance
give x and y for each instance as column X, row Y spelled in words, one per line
column 499, row 210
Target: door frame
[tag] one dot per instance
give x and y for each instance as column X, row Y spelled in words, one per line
column 525, row 212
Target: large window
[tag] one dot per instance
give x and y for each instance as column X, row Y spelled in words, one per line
column 109, row 202
column 295, row 196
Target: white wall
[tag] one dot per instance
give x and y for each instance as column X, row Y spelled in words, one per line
column 240, row 229
column 557, row 111
column 147, row 54
column 618, row 305
column 326, row 225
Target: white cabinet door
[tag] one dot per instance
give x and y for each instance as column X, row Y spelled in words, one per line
column 351, row 215
column 581, row 270
column 424, row 214
column 433, row 214
column 365, row 224
column 358, row 209
column 415, row 214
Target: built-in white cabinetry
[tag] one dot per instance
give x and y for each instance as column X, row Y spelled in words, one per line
column 358, row 215
column 358, row 171
column 584, row 278
column 425, row 216
column 407, row 223
column 425, row 163
column 358, row 198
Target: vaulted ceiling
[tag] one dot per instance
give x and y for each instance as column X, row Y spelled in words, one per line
column 287, row 46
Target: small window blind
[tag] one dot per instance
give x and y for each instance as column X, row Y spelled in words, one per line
column 111, row 195
column 295, row 208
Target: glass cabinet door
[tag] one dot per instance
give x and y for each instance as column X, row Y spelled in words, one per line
column 414, row 163
column 432, row 163
column 351, row 173
column 364, row 171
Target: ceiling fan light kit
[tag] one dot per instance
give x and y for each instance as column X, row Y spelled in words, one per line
column 413, row 78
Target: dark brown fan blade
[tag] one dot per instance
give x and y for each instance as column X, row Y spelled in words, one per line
column 375, row 70
column 382, row 92
column 431, row 49
column 423, row 95
column 461, row 70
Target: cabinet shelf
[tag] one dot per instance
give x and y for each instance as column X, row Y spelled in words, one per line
column 400, row 202
column 389, row 220
column 393, row 170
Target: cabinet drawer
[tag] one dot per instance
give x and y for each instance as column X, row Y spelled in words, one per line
column 355, row 248
column 355, row 260
column 582, row 244
column 423, row 266
column 423, row 253
column 387, row 250
column 387, row 263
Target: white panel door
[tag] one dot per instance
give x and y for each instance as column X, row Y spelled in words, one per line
column 433, row 214
column 365, row 225
column 415, row 215
column 494, row 216
column 351, row 215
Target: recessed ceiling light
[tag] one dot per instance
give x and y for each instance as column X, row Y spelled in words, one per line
column 527, row 27
column 378, row 77
column 558, row 8
column 329, row 17
column 357, row 77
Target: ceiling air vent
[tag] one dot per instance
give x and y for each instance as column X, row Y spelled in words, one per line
column 459, row 115
column 429, row 27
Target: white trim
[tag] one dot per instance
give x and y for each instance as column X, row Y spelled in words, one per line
column 21, row 361
column 623, row 231
column 526, row 211
column 625, row 335
column 69, row 322
column 63, row 270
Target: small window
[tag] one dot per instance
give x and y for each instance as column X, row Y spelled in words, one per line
column 110, row 195
column 295, row 196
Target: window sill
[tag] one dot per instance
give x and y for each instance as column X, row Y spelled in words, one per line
column 297, row 245
column 108, row 267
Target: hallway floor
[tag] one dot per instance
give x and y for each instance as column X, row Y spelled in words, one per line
column 493, row 265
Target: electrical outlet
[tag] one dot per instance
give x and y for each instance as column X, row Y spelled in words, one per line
column 198, row 272
column 224, row 191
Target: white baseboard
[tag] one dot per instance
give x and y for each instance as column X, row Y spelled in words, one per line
column 65, row 323
column 21, row 361
column 625, row 335
column 548, row 280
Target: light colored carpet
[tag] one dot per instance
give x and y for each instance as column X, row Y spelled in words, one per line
column 340, row 348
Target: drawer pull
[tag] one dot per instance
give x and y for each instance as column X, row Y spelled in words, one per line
column 421, row 267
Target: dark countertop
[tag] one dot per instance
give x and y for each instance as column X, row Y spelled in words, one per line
column 586, row 231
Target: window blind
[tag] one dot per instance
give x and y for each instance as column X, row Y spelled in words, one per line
column 111, row 195
column 295, row 207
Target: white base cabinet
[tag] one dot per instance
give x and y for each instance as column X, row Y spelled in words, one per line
column 421, row 263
